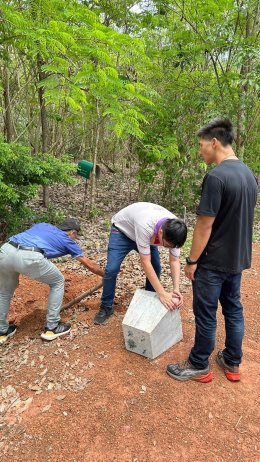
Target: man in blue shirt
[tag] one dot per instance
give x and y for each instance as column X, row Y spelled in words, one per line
column 28, row 253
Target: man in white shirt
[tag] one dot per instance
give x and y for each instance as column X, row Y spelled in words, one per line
column 143, row 227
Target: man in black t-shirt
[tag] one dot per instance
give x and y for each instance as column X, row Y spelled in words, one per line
column 221, row 250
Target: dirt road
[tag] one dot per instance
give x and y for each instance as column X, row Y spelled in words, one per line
column 85, row 398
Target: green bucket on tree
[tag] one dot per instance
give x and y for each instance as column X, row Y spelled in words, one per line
column 85, row 168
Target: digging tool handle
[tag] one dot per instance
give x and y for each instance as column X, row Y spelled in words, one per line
column 80, row 297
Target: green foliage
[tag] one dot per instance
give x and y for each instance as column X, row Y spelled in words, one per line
column 21, row 173
column 51, row 215
column 256, row 230
column 144, row 76
column 168, row 175
column 94, row 212
column 206, row 65
column 82, row 61
column 107, row 224
column 80, row 57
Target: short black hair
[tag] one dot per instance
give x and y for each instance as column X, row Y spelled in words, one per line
column 174, row 232
column 222, row 129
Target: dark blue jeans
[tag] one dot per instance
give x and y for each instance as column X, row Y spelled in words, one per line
column 119, row 246
column 210, row 287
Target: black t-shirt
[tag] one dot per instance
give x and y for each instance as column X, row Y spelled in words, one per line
column 229, row 193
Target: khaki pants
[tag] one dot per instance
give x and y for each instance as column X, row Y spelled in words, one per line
column 14, row 262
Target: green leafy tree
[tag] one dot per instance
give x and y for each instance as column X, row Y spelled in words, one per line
column 21, row 173
column 200, row 51
column 80, row 65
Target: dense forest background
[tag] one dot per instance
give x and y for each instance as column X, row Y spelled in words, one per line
column 124, row 84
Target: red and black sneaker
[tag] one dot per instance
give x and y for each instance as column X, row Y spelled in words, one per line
column 231, row 371
column 186, row 371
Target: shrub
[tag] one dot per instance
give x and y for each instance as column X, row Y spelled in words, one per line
column 21, row 173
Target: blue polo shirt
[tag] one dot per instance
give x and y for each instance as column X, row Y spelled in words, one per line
column 52, row 240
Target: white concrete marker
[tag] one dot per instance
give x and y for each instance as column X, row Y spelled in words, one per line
column 149, row 328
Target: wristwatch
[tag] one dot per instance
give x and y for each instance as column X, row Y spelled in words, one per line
column 191, row 262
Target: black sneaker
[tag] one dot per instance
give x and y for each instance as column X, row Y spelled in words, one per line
column 103, row 315
column 186, row 371
column 9, row 333
column 231, row 371
column 61, row 329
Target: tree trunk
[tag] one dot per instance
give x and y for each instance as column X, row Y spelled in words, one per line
column 8, row 124
column 252, row 23
column 44, row 123
column 95, row 154
column 29, row 108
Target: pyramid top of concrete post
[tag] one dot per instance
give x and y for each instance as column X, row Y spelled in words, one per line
column 145, row 311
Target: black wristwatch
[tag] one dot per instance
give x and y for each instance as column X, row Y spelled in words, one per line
column 191, row 262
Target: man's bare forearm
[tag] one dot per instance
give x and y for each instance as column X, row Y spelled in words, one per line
column 165, row 297
column 201, row 235
column 175, row 272
column 152, row 276
column 91, row 265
